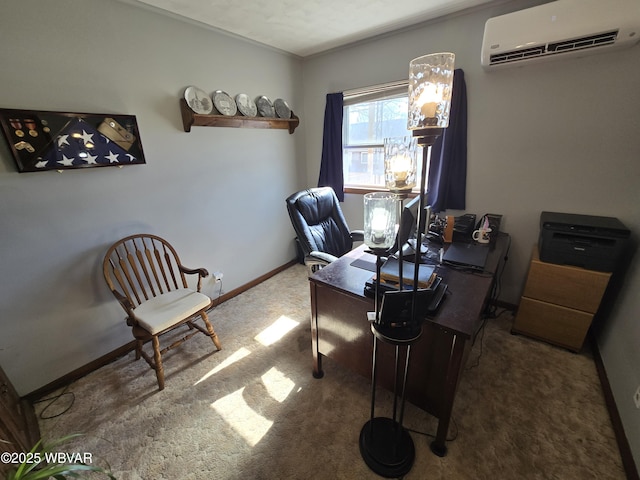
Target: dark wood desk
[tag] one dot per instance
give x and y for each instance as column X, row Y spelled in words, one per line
column 340, row 331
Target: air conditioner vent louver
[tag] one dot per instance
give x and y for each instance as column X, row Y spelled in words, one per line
column 564, row 46
column 516, row 55
column 584, row 42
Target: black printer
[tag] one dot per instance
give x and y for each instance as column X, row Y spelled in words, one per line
column 591, row 242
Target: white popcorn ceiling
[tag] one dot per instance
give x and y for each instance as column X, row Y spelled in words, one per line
column 306, row 27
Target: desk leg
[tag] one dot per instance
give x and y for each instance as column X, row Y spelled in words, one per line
column 317, row 356
column 453, row 374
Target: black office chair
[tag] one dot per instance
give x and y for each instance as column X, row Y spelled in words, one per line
column 322, row 231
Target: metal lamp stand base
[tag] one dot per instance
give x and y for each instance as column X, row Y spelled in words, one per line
column 386, row 447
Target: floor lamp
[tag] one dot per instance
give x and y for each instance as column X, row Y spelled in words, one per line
column 386, row 447
column 400, row 178
column 430, row 89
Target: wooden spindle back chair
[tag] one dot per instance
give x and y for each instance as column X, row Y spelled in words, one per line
column 145, row 275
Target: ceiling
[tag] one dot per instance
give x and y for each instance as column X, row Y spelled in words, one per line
column 307, row 27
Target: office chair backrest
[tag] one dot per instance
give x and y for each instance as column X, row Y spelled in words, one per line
column 318, row 221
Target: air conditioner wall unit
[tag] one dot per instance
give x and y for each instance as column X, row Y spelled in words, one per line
column 560, row 29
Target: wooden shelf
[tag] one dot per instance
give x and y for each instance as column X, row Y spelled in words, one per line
column 190, row 118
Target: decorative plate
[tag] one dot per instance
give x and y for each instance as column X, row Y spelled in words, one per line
column 198, row 100
column 224, row 103
column 246, row 106
column 265, row 107
column 282, row 108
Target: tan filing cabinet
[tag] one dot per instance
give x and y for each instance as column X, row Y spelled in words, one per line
column 559, row 302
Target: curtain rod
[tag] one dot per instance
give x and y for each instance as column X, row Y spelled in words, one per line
column 383, row 87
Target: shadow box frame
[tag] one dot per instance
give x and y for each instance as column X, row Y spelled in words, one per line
column 43, row 140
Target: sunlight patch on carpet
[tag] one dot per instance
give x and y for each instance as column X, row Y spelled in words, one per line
column 277, row 384
column 233, row 358
column 250, row 425
column 276, row 330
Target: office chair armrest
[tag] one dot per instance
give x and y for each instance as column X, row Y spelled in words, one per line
column 316, row 260
column 319, row 258
column 357, row 235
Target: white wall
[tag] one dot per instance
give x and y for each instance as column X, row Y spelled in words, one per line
column 556, row 136
column 217, row 194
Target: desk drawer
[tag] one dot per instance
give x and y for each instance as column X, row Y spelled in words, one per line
column 564, row 285
column 556, row 324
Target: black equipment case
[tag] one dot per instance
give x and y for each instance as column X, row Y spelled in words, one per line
column 591, row 242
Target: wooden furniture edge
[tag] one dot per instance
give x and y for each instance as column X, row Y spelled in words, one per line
column 33, row 428
column 128, row 347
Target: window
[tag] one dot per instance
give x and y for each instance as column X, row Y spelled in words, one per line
column 367, row 122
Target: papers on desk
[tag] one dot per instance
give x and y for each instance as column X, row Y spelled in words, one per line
column 390, row 273
column 428, row 280
column 430, row 298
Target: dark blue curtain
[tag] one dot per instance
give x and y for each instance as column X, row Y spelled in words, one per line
column 331, row 162
column 447, row 180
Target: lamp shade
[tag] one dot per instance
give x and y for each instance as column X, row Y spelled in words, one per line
column 400, row 164
column 430, row 86
column 380, row 212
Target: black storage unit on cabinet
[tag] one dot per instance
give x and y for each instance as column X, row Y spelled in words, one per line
column 587, row 241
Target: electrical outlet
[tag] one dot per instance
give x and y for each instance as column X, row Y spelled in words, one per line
column 217, row 277
column 636, row 397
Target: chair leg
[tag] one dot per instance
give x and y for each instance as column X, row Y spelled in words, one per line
column 158, row 361
column 138, row 348
column 212, row 333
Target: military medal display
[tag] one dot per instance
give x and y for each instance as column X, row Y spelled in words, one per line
column 42, row 140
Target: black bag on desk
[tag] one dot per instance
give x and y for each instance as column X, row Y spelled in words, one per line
column 463, row 228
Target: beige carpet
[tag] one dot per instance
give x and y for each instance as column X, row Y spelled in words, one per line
column 253, row 410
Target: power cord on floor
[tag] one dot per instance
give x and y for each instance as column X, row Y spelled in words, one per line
column 220, row 289
column 481, row 335
column 53, row 400
column 215, row 297
column 491, row 310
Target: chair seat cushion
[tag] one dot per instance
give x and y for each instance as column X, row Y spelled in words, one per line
column 168, row 309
